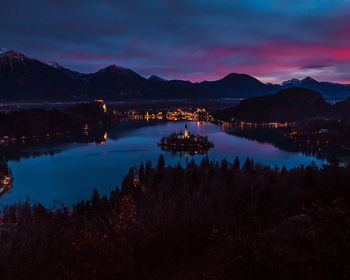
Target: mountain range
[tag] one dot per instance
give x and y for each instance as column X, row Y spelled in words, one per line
column 23, row 78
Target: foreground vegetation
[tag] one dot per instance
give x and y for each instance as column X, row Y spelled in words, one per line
column 206, row 221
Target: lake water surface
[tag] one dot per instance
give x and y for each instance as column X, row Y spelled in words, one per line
column 71, row 171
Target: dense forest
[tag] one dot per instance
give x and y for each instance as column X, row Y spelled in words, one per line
column 210, row 220
column 293, row 104
column 40, row 122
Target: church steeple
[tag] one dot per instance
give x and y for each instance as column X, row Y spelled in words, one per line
column 186, row 134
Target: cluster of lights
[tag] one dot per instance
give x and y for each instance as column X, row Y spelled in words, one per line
column 200, row 114
column 256, row 124
column 6, row 140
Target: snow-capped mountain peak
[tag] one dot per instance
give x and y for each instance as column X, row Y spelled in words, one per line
column 291, row 83
column 12, row 58
column 54, row 64
column 2, row 51
column 156, row 78
column 10, row 54
column 308, row 79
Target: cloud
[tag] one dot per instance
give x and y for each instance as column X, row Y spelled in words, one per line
column 314, row 66
column 190, row 39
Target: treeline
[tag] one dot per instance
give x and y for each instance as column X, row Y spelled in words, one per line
column 40, row 122
column 288, row 105
column 203, row 221
column 58, row 143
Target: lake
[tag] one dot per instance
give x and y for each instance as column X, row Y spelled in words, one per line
column 67, row 173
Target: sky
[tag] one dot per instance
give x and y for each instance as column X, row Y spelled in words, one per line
column 273, row 40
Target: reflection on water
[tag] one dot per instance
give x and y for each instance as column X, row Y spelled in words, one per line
column 50, row 147
column 67, row 172
column 319, row 149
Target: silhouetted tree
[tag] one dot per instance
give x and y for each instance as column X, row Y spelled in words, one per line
column 161, row 163
column 237, row 164
column 142, row 172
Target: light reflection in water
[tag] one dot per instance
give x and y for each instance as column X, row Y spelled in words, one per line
column 69, row 175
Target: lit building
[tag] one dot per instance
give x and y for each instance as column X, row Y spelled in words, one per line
column 5, row 179
column 186, row 134
column 103, row 105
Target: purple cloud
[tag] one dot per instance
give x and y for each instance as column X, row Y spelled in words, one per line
column 187, row 39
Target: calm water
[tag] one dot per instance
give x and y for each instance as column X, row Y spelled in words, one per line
column 71, row 171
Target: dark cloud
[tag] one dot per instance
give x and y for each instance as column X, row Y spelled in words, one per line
column 314, row 66
column 194, row 39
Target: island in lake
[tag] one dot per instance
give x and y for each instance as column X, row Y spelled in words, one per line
column 185, row 142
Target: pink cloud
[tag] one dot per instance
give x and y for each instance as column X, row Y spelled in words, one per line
column 274, row 58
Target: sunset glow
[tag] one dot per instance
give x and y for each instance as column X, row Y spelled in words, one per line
column 192, row 40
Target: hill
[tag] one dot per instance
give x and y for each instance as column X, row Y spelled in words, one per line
column 286, row 105
column 342, row 108
column 236, row 85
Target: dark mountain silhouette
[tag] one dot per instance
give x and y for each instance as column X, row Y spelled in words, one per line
column 118, row 82
column 287, row 105
column 237, row 85
column 26, row 79
column 155, row 78
column 327, row 89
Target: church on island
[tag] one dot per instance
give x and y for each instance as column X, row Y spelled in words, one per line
column 185, row 134
column 185, row 142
